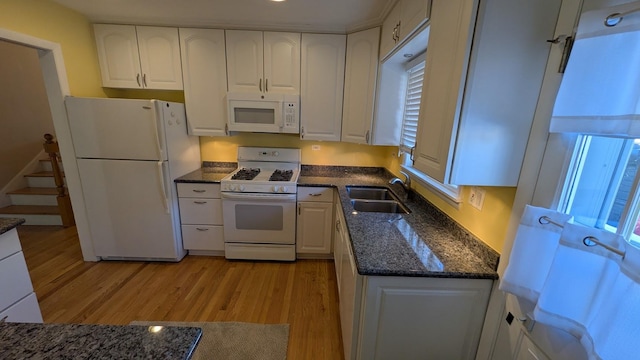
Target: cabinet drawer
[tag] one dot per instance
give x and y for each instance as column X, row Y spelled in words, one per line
column 324, row 194
column 26, row 310
column 200, row 211
column 202, row 237
column 14, row 280
column 198, row 190
column 9, row 243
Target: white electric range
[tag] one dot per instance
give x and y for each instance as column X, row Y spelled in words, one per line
column 259, row 204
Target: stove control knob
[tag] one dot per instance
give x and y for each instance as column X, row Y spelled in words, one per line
column 275, row 188
column 232, row 187
column 283, row 189
column 242, row 188
column 275, row 153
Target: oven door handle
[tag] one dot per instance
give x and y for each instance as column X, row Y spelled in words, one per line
column 259, row 197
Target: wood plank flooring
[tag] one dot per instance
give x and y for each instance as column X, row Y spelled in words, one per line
column 69, row 290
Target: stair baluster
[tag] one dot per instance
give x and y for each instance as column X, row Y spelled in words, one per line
column 64, row 202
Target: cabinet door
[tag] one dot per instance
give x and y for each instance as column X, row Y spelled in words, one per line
column 118, row 56
column 26, row 310
column 160, row 57
column 446, row 63
column 245, row 55
column 338, row 246
column 282, row 63
column 412, row 14
column 322, row 85
column 315, row 230
column 204, row 72
column 422, row 318
column 360, row 83
column 389, row 35
column 350, row 282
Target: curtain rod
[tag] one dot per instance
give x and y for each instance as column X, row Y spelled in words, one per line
column 587, row 241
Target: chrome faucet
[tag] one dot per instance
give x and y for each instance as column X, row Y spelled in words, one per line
column 406, row 184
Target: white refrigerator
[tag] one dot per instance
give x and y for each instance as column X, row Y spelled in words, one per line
column 128, row 153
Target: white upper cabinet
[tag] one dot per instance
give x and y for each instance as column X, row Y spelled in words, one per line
column 263, row 62
column 479, row 96
column 139, row 57
column 405, row 17
column 321, row 87
column 389, row 37
column 360, row 83
column 204, row 72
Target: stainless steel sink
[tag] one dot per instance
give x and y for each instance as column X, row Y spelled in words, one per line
column 369, row 193
column 385, row 206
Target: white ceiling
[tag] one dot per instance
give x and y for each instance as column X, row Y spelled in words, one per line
column 339, row 16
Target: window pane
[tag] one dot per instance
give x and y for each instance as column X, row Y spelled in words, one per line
column 603, row 181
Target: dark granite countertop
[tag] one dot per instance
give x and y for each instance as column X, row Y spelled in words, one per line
column 8, row 224
column 210, row 172
column 72, row 341
column 425, row 242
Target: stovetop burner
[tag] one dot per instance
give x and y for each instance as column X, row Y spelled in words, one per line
column 246, row 174
column 281, row 175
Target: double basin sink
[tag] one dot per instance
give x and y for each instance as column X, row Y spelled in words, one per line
column 375, row 199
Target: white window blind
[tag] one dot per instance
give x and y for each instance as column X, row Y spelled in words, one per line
column 412, row 106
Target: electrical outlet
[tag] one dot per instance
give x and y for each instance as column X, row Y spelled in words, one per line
column 315, row 147
column 476, row 197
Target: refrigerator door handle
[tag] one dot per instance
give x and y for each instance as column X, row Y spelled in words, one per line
column 163, row 191
column 156, row 128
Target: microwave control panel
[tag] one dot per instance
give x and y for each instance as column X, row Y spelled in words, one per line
column 290, row 115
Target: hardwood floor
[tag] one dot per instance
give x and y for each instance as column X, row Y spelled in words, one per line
column 69, row 290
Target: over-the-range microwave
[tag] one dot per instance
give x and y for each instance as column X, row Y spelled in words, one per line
column 267, row 113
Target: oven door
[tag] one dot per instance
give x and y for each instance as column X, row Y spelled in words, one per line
column 258, row 218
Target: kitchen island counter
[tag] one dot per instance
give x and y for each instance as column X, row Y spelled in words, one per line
column 7, row 224
column 73, row 341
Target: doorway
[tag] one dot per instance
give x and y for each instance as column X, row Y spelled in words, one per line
column 57, row 87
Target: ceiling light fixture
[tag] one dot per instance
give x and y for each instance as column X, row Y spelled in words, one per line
column 278, row 0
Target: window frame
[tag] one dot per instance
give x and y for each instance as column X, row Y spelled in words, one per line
column 451, row 194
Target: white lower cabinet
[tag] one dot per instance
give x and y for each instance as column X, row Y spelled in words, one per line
column 201, row 218
column 315, row 222
column 391, row 317
column 417, row 317
column 18, row 302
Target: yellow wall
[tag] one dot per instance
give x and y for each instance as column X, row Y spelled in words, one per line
column 329, row 153
column 47, row 20
column 50, row 21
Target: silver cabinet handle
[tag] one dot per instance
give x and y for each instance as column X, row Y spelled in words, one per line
column 199, row 190
column 202, row 229
column 338, row 225
column 260, row 85
column 226, row 129
column 144, row 79
column 315, row 194
column 199, row 202
column 366, row 136
column 138, row 79
column 266, row 85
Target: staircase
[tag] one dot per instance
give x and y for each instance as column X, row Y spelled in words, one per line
column 44, row 201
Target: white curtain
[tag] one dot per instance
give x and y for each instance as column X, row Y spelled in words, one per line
column 600, row 90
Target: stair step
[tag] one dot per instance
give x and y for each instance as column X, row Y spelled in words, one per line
column 35, row 191
column 41, row 179
column 34, row 196
column 33, row 214
column 45, row 165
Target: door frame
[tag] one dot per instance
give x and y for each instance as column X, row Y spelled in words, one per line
column 57, row 87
